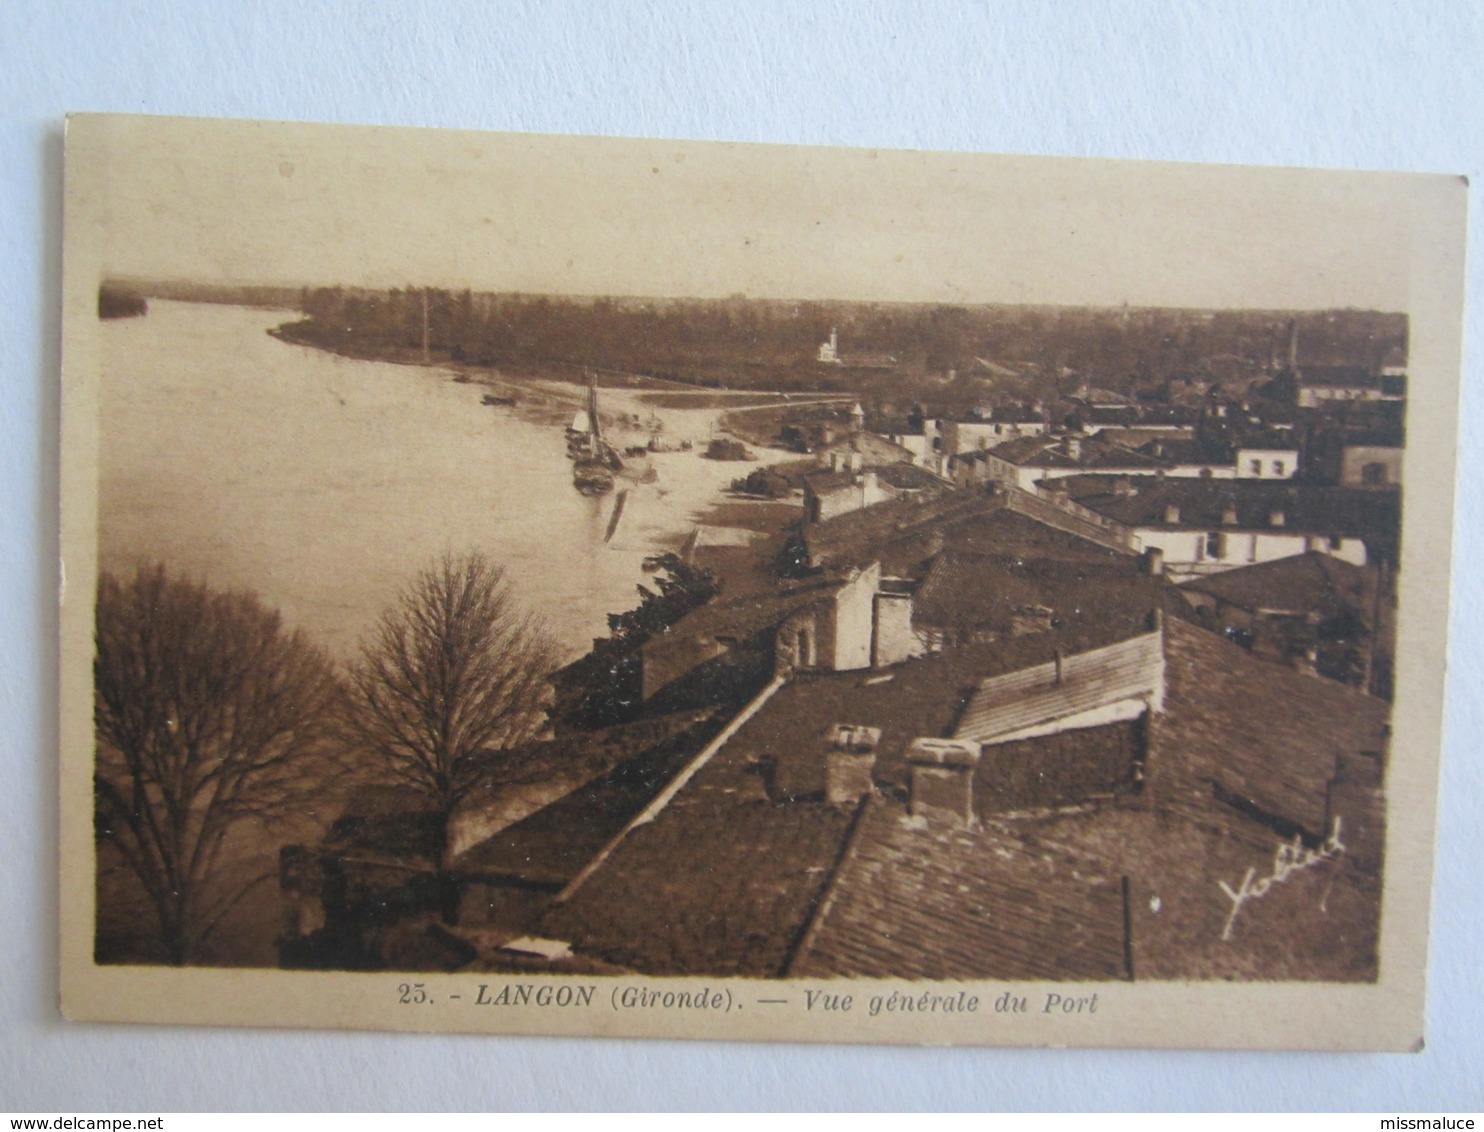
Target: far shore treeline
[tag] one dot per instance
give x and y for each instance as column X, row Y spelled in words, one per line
column 885, row 348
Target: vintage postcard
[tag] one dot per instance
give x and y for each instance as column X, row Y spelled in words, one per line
column 621, row 588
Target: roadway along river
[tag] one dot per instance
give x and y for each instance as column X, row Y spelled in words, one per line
column 324, row 483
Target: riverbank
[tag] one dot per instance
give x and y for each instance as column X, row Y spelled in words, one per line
column 675, row 490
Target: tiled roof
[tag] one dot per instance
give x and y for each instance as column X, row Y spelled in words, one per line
column 1017, row 414
column 552, row 845
column 1135, row 436
column 1256, row 728
column 975, row 590
column 914, row 902
column 1110, row 414
column 731, row 878
column 1296, row 585
column 878, row 448
column 721, row 882
column 1024, row 449
column 855, row 537
column 1043, row 452
column 1046, row 693
column 724, row 879
column 1371, row 515
column 823, row 480
column 904, row 477
column 1095, row 396
column 1168, row 415
column 909, row 477
column 971, row 588
column 1178, row 451
column 1275, row 440
column 741, row 617
column 905, row 535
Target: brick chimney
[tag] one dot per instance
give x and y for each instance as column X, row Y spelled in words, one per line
column 942, row 778
column 849, row 762
column 1172, row 514
column 1153, row 561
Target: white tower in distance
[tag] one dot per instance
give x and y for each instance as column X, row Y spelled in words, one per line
column 829, row 352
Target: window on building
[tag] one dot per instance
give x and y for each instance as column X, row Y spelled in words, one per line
column 1373, row 474
column 1278, row 467
column 1256, row 467
column 1213, row 545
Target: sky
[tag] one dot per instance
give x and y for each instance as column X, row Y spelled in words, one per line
column 234, row 201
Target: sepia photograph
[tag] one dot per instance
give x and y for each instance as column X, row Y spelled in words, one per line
column 614, row 587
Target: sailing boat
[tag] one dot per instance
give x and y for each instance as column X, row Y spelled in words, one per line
column 594, row 461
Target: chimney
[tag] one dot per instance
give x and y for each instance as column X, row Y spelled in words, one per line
column 1074, row 447
column 1293, row 344
column 834, row 461
column 1153, row 562
column 849, row 762
column 1123, row 487
column 1172, row 514
column 870, row 485
column 1229, row 513
column 1276, row 517
column 942, row 778
column 856, row 461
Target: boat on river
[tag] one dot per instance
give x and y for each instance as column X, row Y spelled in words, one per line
column 594, row 461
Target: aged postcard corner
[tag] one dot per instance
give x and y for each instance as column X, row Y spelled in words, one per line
column 577, row 586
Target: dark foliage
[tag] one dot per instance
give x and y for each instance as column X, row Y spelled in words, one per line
column 679, row 588
column 723, row 448
column 604, row 687
column 454, row 673
column 208, row 716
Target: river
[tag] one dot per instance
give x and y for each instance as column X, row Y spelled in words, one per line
column 324, row 483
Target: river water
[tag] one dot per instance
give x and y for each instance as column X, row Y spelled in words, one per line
column 324, row 483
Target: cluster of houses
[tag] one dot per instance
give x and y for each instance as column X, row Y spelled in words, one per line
column 992, row 699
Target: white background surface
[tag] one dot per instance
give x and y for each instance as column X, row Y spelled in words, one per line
column 1363, row 85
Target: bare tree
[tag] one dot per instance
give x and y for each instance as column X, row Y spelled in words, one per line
column 207, row 715
column 454, row 673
